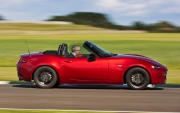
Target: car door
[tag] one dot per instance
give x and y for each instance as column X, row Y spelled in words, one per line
column 83, row 69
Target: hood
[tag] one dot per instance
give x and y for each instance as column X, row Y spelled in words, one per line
column 136, row 56
column 129, row 56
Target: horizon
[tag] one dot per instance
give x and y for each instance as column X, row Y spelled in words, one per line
column 117, row 11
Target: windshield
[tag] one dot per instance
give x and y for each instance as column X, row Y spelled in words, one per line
column 96, row 49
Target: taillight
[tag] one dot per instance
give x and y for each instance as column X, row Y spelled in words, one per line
column 22, row 60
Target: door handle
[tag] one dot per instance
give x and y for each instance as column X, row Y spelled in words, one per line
column 68, row 61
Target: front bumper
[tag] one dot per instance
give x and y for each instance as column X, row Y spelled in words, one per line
column 159, row 76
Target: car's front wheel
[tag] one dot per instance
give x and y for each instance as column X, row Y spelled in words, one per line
column 45, row 77
column 137, row 78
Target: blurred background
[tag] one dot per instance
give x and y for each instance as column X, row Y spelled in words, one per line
column 149, row 28
column 154, row 15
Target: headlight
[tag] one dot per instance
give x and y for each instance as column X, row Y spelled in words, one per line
column 155, row 67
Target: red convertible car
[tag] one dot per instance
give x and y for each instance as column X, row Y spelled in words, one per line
column 51, row 68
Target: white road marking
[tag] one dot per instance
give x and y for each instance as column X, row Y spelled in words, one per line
column 4, row 82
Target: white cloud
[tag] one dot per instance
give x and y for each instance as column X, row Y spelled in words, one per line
column 17, row 3
column 138, row 7
column 171, row 7
column 170, row 10
column 109, row 3
column 125, row 8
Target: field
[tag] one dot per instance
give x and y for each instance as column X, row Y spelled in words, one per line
column 46, row 111
column 44, row 27
column 161, row 47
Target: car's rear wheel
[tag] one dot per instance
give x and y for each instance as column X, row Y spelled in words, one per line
column 45, row 77
column 137, row 78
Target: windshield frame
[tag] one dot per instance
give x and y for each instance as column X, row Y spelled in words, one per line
column 97, row 50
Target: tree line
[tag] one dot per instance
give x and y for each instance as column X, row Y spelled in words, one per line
column 102, row 21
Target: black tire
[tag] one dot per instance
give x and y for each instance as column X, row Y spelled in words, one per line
column 137, row 78
column 57, row 84
column 45, row 77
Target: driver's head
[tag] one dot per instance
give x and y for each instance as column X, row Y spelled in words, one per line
column 76, row 49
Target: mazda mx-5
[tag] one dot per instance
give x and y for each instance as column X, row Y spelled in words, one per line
column 51, row 68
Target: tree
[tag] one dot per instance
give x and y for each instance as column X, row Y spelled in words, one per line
column 137, row 25
column 101, row 20
column 164, row 26
column 1, row 18
column 86, row 18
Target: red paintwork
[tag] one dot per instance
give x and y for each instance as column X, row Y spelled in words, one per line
column 109, row 70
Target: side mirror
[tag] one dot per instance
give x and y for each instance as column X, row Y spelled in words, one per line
column 91, row 58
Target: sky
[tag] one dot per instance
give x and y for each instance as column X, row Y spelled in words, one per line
column 122, row 12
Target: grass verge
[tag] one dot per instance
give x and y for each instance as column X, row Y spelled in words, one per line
column 44, row 27
column 46, row 111
column 161, row 47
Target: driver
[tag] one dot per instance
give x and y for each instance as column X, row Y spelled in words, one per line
column 75, row 51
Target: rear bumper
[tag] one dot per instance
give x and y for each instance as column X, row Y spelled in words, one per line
column 23, row 72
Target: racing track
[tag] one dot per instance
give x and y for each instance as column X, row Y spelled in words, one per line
column 113, row 98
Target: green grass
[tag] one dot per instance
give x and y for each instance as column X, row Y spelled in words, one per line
column 156, row 46
column 164, row 48
column 102, row 37
column 45, row 111
column 44, row 27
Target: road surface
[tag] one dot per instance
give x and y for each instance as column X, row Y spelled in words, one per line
column 111, row 98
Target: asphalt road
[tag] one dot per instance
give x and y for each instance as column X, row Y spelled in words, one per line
column 113, row 98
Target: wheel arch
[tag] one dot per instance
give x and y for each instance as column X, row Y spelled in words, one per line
column 124, row 77
column 32, row 78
